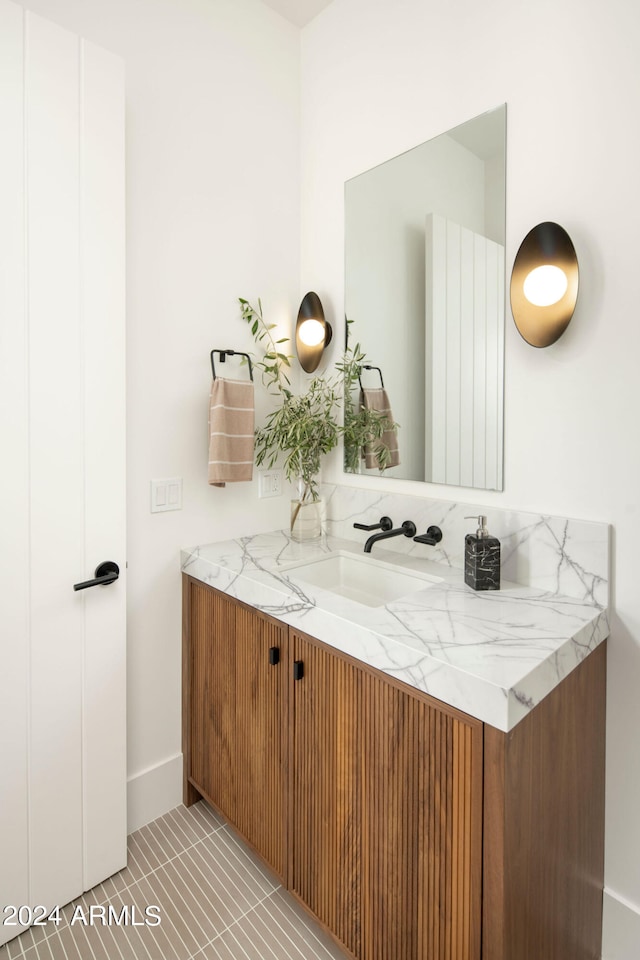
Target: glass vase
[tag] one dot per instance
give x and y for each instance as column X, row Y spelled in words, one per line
column 307, row 519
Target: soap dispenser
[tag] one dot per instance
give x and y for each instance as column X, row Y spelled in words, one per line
column 481, row 558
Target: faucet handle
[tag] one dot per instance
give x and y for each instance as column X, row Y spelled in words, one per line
column 386, row 523
column 432, row 536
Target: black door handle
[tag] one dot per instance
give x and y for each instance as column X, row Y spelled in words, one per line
column 106, row 572
column 298, row 669
column 274, row 656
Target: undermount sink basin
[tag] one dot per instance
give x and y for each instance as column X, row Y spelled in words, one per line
column 362, row 578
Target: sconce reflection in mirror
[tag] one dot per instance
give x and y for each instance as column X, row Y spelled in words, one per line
column 313, row 332
column 544, row 284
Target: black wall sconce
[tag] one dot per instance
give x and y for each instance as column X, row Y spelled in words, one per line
column 313, row 332
column 544, row 284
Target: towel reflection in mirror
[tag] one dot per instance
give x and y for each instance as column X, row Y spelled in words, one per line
column 370, row 432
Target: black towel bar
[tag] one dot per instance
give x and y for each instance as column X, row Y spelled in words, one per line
column 231, row 353
column 369, row 366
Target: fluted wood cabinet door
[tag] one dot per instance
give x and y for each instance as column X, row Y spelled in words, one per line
column 261, row 734
column 236, row 696
column 212, row 659
column 326, row 829
column 421, row 827
column 386, row 813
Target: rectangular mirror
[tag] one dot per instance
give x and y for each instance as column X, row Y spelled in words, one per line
column 425, row 297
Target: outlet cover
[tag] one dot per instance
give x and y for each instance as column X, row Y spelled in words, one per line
column 269, row 483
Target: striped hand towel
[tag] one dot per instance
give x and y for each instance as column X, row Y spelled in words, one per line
column 231, row 426
column 375, row 398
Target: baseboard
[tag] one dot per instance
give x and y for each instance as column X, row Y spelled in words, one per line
column 153, row 792
column 621, row 928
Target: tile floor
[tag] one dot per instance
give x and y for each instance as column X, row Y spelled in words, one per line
column 217, row 901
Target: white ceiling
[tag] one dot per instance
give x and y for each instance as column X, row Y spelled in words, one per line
column 299, row 12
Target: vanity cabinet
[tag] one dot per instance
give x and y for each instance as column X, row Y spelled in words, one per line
column 411, row 830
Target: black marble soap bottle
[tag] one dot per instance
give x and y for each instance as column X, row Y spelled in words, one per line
column 481, row 558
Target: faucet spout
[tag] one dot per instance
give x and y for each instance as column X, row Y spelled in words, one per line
column 408, row 529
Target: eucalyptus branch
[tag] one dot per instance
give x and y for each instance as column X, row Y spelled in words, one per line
column 273, row 361
column 304, row 428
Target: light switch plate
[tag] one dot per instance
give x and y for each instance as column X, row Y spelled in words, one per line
column 166, row 495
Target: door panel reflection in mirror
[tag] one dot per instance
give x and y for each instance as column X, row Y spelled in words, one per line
column 424, row 289
column 464, row 310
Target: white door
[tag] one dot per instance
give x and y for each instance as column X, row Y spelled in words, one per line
column 62, row 480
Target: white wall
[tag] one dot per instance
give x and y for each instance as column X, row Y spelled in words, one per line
column 213, row 213
column 380, row 77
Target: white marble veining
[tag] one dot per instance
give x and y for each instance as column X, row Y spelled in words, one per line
column 553, row 554
column 494, row 655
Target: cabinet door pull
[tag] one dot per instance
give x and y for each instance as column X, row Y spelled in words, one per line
column 298, row 669
column 274, row 656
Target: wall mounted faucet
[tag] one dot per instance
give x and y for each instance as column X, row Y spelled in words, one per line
column 408, row 529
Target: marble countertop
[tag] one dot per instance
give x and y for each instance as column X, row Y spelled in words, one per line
column 494, row 655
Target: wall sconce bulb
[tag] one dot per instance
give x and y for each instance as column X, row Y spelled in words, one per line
column 311, row 332
column 545, row 285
